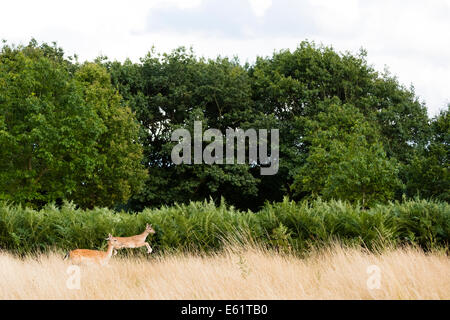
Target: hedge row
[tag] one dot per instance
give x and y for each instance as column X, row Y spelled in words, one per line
column 204, row 226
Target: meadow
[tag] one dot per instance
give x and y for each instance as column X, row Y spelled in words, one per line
column 287, row 250
column 336, row 272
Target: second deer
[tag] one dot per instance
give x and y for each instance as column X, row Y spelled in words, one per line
column 89, row 257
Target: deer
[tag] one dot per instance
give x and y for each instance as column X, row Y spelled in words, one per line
column 136, row 241
column 92, row 257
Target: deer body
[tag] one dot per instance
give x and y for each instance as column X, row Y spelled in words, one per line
column 92, row 257
column 136, row 241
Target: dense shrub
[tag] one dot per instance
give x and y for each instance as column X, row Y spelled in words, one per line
column 203, row 226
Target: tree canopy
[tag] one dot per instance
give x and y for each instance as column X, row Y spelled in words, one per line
column 346, row 160
column 63, row 132
column 90, row 132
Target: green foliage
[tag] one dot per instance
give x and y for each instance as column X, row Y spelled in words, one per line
column 169, row 91
column 428, row 171
column 293, row 84
column 203, row 226
column 63, row 132
column 345, row 161
column 346, row 131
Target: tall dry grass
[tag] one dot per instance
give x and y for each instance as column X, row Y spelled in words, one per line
column 332, row 273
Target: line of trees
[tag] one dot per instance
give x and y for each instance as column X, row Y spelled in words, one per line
column 98, row 133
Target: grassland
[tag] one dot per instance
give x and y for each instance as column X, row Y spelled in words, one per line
column 287, row 250
column 335, row 272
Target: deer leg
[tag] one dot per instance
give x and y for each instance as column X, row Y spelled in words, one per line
column 149, row 249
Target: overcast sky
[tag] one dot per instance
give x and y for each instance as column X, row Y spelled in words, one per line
column 411, row 37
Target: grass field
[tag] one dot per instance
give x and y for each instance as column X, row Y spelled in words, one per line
column 333, row 273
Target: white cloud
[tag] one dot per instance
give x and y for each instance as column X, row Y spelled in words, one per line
column 259, row 7
column 410, row 38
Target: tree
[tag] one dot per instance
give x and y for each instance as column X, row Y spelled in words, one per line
column 171, row 91
column 63, row 132
column 292, row 84
column 428, row 172
column 346, row 160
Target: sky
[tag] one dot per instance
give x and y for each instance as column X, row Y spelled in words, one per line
column 410, row 38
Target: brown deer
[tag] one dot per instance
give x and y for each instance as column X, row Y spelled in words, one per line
column 136, row 241
column 90, row 257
